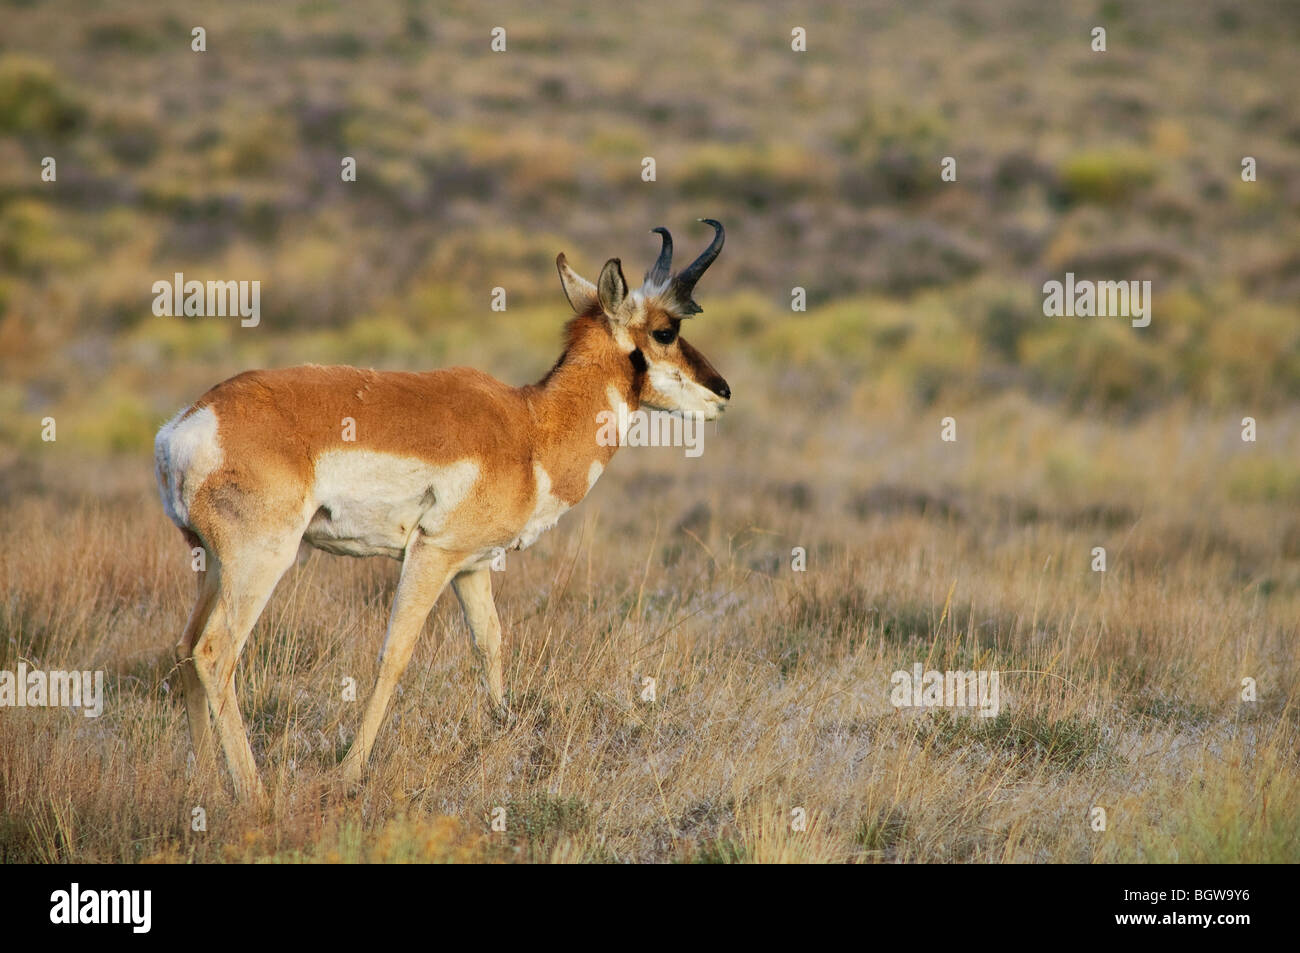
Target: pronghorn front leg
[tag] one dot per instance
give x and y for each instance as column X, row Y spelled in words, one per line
column 474, row 590
column 425, row 571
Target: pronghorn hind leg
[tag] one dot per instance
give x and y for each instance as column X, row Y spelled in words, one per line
column 196, row 696
column 245, row 583
column 474, row 590
column 425, row 570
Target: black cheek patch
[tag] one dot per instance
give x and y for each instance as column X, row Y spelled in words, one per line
column 638, row 361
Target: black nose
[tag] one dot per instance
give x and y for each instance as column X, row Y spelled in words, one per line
column 720, row 388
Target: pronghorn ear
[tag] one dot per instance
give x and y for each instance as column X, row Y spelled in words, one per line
column 611, row 286
column 580, row 292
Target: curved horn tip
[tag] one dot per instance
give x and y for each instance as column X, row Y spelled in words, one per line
column 659, row 272
column 688, row 276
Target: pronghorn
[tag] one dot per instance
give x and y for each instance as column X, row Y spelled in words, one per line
column 445, row 469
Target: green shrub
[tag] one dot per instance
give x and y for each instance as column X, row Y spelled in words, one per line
column 1106, row 176
column 33, row 99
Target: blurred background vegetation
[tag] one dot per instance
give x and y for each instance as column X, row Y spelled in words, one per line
column 475, row 168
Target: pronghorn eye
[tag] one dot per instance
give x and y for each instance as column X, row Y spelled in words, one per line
column 665, row 335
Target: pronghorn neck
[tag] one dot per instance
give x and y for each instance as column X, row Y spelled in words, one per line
column 591, row 376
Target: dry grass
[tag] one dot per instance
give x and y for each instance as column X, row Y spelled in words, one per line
column 1120, row 690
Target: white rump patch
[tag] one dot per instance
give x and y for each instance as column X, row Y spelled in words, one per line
column 185, row 453
column 593, row 473
column 368, row 504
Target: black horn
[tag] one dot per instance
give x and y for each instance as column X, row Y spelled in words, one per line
column 684, row 282
column 658, row 275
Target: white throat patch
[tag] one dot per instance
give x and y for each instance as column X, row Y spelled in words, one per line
column 547, row 510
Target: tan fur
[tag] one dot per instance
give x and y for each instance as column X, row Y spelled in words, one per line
column 500, row 463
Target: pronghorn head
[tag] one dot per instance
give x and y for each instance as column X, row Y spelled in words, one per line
column 644, row 324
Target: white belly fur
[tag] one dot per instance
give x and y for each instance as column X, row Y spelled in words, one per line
column 369, row 504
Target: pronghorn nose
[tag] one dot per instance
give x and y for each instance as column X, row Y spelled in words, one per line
column 720, row 388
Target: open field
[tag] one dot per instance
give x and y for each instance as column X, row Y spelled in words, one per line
column 1120, row 689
